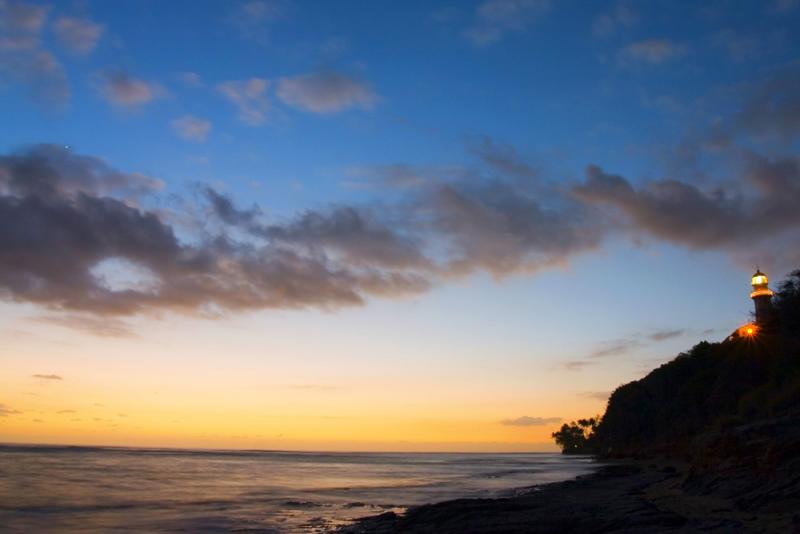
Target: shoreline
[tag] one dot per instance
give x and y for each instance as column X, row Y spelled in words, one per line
column 621, row 496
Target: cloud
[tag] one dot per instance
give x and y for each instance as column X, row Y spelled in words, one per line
column 596, row 395
column 313, row 387
column 101, row 327
column 531, row 421
column 41, row 72
column 78, row 35
column 395, row 176
column 503, row 158
column 84, row 245
column 24, row 60
column 739, row 47
column 357, row 236
column 6, row 410
column 325, row 92
column 576, row 365
column 48, row 377
column 192, row 79
column 191, row 128
column 61, row 233
column 663, row 335
column 652, row 51
column 608, row 23
column 783, row 6
column 496, row 18
column 616, row 348
column 683, row 213
column 506, row 228
column 20, row 25
column 249, row 96
column 253, row 18
column 121, row 89
column 65, row 411
column 772, row 106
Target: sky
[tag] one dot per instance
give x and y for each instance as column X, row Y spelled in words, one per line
column 447, row 226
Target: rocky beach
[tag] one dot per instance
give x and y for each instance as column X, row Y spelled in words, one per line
column 622, row 496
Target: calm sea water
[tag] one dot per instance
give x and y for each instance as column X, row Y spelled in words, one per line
column 115, row 489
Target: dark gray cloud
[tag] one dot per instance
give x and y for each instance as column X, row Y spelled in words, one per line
column 505, row 228
column 48, row 377
column 325, row 92
column 723, row 216
column 63, row 228
column 357, row 236
column 530, row 421
column 73, row 216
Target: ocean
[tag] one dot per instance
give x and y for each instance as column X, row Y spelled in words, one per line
column 101, row 489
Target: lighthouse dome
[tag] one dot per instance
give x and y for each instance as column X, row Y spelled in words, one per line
column 759, row 278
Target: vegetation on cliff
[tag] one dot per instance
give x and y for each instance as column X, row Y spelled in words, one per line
column 710, row 388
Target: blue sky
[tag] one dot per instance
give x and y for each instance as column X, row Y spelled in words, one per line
column 564, row 189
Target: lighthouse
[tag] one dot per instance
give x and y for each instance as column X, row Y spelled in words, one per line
column 762, row 297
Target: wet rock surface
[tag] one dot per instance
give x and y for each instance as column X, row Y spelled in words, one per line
column 622, row 497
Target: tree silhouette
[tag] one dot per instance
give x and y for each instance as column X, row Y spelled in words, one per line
column 577, row 437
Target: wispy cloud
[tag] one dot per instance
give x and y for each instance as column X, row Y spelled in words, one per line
column 191, row 128
column 21, row 24
column 576, row 365
column 192, row 79
column 101, row 327
column 596, row 395
column 662, row 335
column 313, row 387
column 253, row 19
column 48, row 377
column 249, row 97
column 24, row 60
column 526, row 420
column 123, row 90
column 496, row 18
column 620, row 17
column 652, row 51
column 325, row 92
column 78, row 35
column 616, row 347
column 6, row 410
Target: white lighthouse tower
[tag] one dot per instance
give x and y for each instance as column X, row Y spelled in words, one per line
column 762, row 297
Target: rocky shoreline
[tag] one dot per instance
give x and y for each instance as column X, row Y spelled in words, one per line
column 630, row 496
